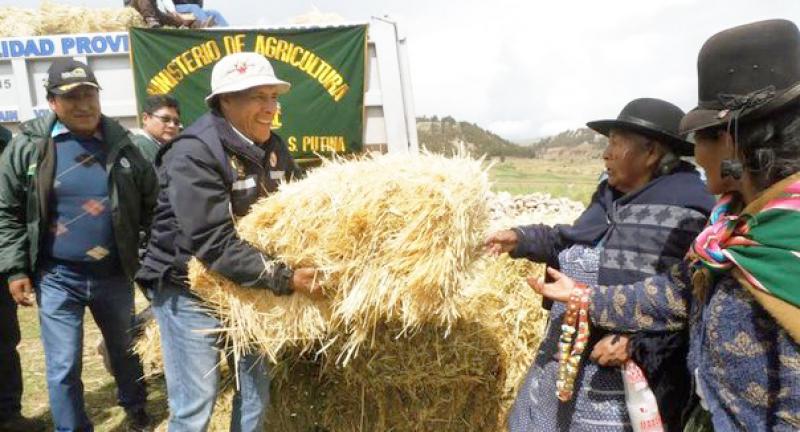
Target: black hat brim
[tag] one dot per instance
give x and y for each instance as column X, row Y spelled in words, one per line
column 66, row 88
column 680, row 146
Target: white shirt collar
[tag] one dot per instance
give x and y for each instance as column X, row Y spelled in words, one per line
column 247, row 140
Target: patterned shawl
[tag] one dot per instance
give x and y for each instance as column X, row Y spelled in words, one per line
column 760, row 246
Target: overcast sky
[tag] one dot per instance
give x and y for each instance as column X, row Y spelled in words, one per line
column 527, row 68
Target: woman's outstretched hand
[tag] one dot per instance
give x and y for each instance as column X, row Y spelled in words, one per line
column 559, row 290
column 501, row 241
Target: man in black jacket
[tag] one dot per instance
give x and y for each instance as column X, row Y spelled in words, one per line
column 11, row 418
column 209, row 175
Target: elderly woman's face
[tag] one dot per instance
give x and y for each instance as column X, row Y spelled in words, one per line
column 251, row 111
column 630, row 160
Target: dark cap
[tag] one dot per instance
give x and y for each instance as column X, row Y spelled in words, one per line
column 66, row 74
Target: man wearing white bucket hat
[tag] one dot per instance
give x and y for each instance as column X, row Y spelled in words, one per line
column 210, row 174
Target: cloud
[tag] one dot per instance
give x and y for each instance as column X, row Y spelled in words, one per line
column 511, row 129
column 537, row 68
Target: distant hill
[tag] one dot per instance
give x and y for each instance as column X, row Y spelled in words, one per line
column 582, row 143
column 445, row 135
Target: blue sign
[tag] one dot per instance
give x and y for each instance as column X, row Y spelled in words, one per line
column 67, row 45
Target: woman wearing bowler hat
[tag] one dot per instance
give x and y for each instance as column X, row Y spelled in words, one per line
column 640, row 222
column 744, row 268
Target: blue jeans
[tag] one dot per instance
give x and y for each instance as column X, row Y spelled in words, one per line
column 191, row 365
column 202, row 14
column 63, row 291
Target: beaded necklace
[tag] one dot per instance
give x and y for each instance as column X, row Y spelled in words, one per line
column 570, row 348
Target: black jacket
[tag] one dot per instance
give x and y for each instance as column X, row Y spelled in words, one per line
column 5, row 138
column 205, row 174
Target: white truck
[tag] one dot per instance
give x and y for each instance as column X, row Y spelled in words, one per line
column 389, row 119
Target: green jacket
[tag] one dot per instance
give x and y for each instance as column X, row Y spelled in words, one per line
column 146, row 146
column 27, row 168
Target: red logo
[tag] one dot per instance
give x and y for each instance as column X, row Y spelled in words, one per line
column 240, row 67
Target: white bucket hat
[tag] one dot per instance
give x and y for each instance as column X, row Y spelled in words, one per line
column 241, row 71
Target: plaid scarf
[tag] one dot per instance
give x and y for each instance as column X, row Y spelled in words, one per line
column 760, row 246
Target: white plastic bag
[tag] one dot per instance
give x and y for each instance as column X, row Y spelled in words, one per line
column 641, row 402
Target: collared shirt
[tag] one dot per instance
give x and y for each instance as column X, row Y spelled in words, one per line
column 60, row 129
column 247, row 140
column 152, row 138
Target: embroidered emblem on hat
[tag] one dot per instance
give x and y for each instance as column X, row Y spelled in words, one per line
column 75, row 73
column 273, row 160
column 241, row 67
column 125, row 163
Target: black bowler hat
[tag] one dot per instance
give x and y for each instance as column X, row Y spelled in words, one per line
column 745, row 73
column 654, row 118
column 66, row 74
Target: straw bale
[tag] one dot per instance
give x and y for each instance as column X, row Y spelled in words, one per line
column 512, row 311
column 416, row 382
column 52, row 18
column 466, row 381
column 393, row 237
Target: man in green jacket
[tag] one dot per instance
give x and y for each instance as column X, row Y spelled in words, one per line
column 161, row 122
column 74, row 195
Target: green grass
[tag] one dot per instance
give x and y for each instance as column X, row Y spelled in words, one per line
column 574, row 180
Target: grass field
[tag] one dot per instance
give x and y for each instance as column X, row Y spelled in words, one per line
column 576, row 181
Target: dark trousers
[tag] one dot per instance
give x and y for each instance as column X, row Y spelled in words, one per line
column 10, row 368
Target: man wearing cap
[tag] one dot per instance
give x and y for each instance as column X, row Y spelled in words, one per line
column 210, row 175
column 74, row 195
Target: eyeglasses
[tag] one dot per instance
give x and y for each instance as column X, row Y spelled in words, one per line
column 167, row 119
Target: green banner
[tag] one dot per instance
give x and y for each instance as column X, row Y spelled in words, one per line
column 322, row 113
